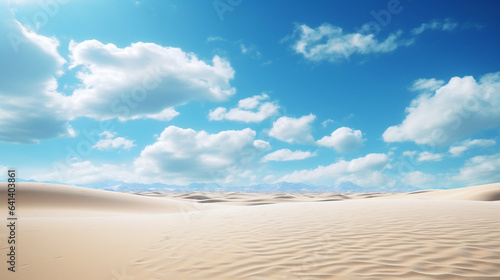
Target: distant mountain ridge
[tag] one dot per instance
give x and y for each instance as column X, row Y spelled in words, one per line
column 280, row 187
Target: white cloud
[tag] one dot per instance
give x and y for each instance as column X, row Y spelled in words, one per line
column 246, row 110
column 409, row 153
column 293, row 130
column 110, row 142
column 325, row 123
column 165, row 115
column 3, row 173
column 261, row 145
column 287, row 155
column 418, row 179
column 31, row 108
column 328, row 42
column 343, row 140
column 457, row 151
column 250, row 50
column 252, row 102
column 184, row 155
column 428, row 156
column 458, row 109
column 364, row 171
column 427, row 84
column 143, row 80
column 480, row 170
column 465, row 145
column 215, row 38
column 423, row 156
column 85, row 172
column 442, row 25
column 108, row 134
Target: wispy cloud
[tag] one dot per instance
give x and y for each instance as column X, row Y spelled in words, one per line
column 329, row 42
column 287, row 155
column 250, row 50
column 428, row 156
column 447, row 24
column 215, row 38
column 458, row 150
column 426, row 84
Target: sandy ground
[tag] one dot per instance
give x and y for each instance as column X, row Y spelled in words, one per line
column 70, row 233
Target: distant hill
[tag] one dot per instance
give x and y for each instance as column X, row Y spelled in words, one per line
column 280, row 187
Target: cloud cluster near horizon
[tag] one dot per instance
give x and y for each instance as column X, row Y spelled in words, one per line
column 451, row 112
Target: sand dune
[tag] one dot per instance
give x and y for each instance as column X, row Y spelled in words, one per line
column 253, row 199
column 38, row 199
column 73, row 233
column 489, row 192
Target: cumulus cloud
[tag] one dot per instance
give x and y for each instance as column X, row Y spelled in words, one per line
column 428, row 156
column 111, row 142
column 31, row 108
column 287, row 155
column 443, row 25
column 185, row 155
column 86, row 172
column 343, row 140
column 143, row 80
column 293, row 130
column 364, row 171
column 250, row 109
column 418, row 179
column 480, row 170
column 465, row 145
column 329, row 42
column 456, row 110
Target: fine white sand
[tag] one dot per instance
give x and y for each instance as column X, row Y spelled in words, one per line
column 71, row 233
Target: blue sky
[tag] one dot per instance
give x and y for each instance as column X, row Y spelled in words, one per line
column 378, row 93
